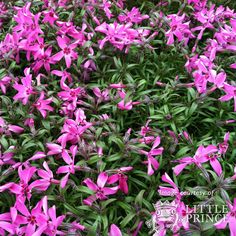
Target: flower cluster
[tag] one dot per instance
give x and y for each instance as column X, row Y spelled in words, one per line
column 101, row 101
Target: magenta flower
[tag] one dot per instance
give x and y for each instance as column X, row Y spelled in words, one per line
column 64, row 76
column 8, row 128
column 70, row 168
column 67, row 51
column 50, row 17
column 53, row 222
column 234, row 176
column 167, row 191
column 200, row 81
column 183, row 212
column 27, row 23
column 133, row 16
column 102, row 95
column 117, row 86
column 74, row 226
column 230, row 93
column 4, row 83
column 33, row 222
column 73, row 130
column 152, row 162
column 233, row 66
column 44, row 60
column 6, row 157
column 42, row 105
column 46, row 178
column 114, row 231
column 179, row 29
column 6, row 225
column 100, row 192
column 23, row 188
column 198, row 4
column 25, row 89
column 202, row 155
column 124, row 104
column 223, row 147
column 70, row 95
column 106, row 8
column 145, row 129
column 229, row 219
column 217, row 79
column 210, row 154
column 206, row 18
column 55, row 149
column 121, row 178
column 119, row 35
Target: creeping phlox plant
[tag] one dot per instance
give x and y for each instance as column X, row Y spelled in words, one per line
column 108, row 106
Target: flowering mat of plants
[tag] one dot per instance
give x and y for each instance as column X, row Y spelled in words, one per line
column 117, row 117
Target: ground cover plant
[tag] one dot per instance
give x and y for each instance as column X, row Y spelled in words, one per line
column 108, row 107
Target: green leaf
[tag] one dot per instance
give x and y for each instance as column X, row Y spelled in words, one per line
column 127, row 219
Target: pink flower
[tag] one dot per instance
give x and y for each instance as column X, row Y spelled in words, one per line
column 200, row 81
column 121, row 178
column 67, row 51
column 100, row 192
column 37, row 155
column 202, row 155
column 179, row 29
column 25, row 89
column 46, row 178
column 217, row 79
column 4, row 83
column 71, row 95
column 6, row 157
column 229, row 219
column 210, row 154
column 53, row 222
column 120, row 35
column 114, row 231
column 44, row 60
column 198, row 4
column 23, row 188
column 206, row 17
column 145, row 129
column 124, row 104
column 50, row 17
column 106, row 8
column 234, row 176
column 55, row 149
column 6, row 225
column 8, row 128
column 42, row 105
column 233, row 66
column 64, row 76
column 73, row 130
column 167, row 191
column 103, row 96
column 70, row 168
column 133, row 16
column 36, row 47
column 152, row 162
column 74, row 226
column 230, row 93
column 117, row 86
column 223, row 147
column 27, row 23
column 34, row 222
